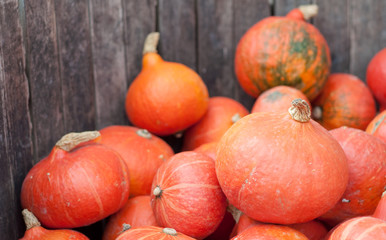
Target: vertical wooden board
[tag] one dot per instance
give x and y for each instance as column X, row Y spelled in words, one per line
column 108, row 61
column 43, row 74
column 246, row 14
column 139, row 20
column 216, row 46
column 177, row 27
column 75, row 64
column 365, row 33
column 332, row 21
column 282, row 7
column 15, row 128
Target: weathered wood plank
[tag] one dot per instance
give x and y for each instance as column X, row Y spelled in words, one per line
column 177, row 27
column 108, row 61
column 365, row 33
column 282, row 7
column 75, row 64
column 216, row 46
column 139, row 20
column 43, row 74
column 332, row 21
column 15, row 129
column 246, row 14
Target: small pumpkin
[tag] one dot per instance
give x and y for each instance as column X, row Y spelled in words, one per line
column 152, row 233
column 376, row 77
column 36, row 231
column 142, row 152
column 277, row 99
column 283, row 51
column 79, row 183
column 380, row 211
column 137, row 213
column 260, row 182
column 270, row 232
column 377, row 126
column 186, row 195
column 344, row 101
column 166, row 97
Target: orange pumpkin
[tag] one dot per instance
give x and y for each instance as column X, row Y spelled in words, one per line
column 277, row 99
column 270, row 232
column 376, row 77
column 221, row 114
column 142, row 152
column 344, row 101
column 166, row 97
column 377, row 126
column 283, row 51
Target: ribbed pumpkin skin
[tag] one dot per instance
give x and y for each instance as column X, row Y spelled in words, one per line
column 359, row 228
column 377, row 126
column 366, row 157
column 137, row 212
column 150, row 233
column 40, row 233
column 376, row 77
column 270, row 232
column 191, row 200
column 282, row 51
column 166, row 97
column 215, row 122
column 380, row 211
column 260, row 182
column 76, row 188
column 142, row 155
column 277, row 99
column 345, row 101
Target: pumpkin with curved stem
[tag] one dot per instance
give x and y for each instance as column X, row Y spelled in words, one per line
column 152, row 233
column 283, row 51
column 260, row 181
column 377, row 126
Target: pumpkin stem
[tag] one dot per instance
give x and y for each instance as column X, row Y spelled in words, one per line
column 309, row 11
column 170, row 231
column 151, row 43
column 300, row 110
column 125, row 227
column 29, row 219
column 71, row 140
column 317, row 113
column 157, row 191
column 144, row 133
column 236, row 213
column 235, row 118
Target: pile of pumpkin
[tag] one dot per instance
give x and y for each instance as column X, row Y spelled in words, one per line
column 308, row 162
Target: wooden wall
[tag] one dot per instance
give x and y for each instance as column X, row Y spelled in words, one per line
column 65, row 65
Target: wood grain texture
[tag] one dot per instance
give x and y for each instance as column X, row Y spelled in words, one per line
column 139, row 20
column 177, row 27
column 366, row 29
column 43, row 74
column 108, row 61
column 16, row 156
column 246, row 14
column 75, row 59
column 282, row 7
column 332, row 22
column 216, row 46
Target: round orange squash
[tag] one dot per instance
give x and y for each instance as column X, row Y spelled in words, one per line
column 270, row 232
column 283, row 51
column 166, row 97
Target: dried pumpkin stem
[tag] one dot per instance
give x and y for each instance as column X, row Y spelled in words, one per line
column 309, row 11
column 235, row 118
column 300, row 110
column 144, row 133
column 170, row 231
column 29, row 219
column 151, row 43
column 71, row 140
column 236, row 213
column 157, row 191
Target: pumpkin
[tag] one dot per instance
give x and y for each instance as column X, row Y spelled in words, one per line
column 344, row 101
column 208, row 148
column 186, row 195
column 79, row 183
column 152, row 233
column 366, row 157
column 137, row 213
column 36, row 231
column 165, row 97
column 270, row 232
column 280, row 167
column 142, row 152
column 359, row 228
column 380, row 211
column 221, row 114
column 377, row 126
column 277, row 99
column 376, row 77
column 283, row 51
